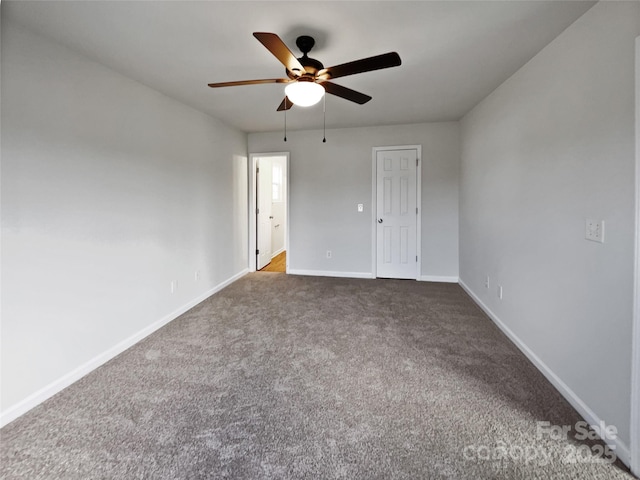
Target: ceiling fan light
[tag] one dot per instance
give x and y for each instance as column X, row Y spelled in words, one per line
column 304, row 94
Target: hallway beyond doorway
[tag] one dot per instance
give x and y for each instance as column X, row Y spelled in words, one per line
column 278, row 264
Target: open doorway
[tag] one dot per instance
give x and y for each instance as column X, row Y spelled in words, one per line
column 269, row 212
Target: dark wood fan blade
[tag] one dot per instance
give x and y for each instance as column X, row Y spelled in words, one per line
column 280, row 51
column 250, row 82
column 286, row 102
column 386, row 60
column 345, row 93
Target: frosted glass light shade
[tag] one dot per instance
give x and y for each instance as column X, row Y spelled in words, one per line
column 304, row 94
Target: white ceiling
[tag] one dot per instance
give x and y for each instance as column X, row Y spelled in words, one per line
column 454, row 53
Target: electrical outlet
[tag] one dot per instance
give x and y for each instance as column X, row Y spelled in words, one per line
column 360, row 207
column 594, row 230
column 500, row 292
column 328, row 253
column 196, row 276
column 174, row 286
column 487, row 284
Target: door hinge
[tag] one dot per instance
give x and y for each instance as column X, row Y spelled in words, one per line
column 416, row 258
column 416, row 210
column 257, row 211
column 257, row 169
column 417, row 162
column 257, row 252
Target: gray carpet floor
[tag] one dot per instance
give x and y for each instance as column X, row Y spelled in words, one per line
column 286, row 377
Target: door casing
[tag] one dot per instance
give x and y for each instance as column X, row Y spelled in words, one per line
column 264, row 203
column 253, row 158
column 374, row 197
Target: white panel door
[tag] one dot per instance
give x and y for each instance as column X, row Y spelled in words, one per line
column 264, row 199
column 396, row 198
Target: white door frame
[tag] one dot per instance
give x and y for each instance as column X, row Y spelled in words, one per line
column 253, row 158
column 635, row 349
column 374, row 198
column 264, row 205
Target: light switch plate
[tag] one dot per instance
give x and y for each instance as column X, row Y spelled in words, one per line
column 360, row 207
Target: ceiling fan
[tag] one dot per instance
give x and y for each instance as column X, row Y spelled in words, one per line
column 307, row 78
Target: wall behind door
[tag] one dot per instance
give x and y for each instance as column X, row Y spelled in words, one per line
column 328, row 180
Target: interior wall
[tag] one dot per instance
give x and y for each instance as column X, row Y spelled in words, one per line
column 635, row 369
column 110, row 192
column 551, row 147
column 328, row 181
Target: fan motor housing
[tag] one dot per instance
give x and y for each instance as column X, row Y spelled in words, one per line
column 311, row 66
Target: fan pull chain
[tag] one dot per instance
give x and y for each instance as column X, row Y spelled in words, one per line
column 285, row 118
column 324, row 119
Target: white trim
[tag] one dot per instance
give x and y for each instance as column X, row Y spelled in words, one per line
column 287, row 216
column 56, row 386
column 326, row 273
column 419, row 207
column 374, row 207
column 621, row 449
column 635, row 350
column 278, row 252
column 437, row 278
column 252, row 209
column 374, row 203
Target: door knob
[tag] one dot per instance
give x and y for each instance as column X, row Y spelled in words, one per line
column 379, row 220
column 271, row 218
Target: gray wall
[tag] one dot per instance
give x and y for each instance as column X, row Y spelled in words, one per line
column 110, row 191
column 550, row 147
column 328, row 180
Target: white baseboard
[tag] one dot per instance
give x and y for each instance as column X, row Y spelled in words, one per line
column 277, row 252
column 325, row 273
column 622, row 450
column 56, row 386
column 437, row 278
